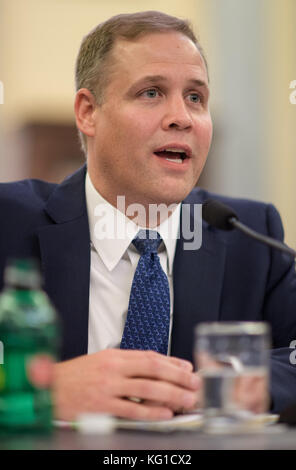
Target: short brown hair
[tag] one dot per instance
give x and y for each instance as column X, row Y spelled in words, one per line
column 90, row 71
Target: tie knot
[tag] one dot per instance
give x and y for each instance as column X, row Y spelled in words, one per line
column 147, row 241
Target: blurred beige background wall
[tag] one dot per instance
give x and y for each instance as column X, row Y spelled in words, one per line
column 250, row 45
column 39, row 41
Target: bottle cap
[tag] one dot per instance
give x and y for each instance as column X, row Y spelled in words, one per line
column 23, row 273
column 96, row 423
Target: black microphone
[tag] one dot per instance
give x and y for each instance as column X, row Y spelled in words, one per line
column 224, row 217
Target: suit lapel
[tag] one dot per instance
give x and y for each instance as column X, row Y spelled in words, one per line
column 65, row 258
column 198, row 280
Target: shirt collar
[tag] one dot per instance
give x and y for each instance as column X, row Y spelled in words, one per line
column 111, row 232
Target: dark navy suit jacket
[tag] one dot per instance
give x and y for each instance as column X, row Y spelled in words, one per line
column 231, row 277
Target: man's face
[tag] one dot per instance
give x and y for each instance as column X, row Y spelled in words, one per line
column 153, row 130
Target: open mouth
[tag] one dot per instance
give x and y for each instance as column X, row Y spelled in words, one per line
column 174, row 155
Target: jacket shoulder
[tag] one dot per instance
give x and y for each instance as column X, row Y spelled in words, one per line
column 201, row 195
column 26, row 195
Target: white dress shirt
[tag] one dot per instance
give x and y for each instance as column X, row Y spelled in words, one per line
column 113, row 263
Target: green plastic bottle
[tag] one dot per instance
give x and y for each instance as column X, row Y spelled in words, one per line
column 29, row 335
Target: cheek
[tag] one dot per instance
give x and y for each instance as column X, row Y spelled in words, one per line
column 112, row 137
column 139, row 121
column 127, row 129
column 204, row 132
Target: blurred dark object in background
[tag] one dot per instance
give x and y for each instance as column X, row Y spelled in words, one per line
column 51, row 151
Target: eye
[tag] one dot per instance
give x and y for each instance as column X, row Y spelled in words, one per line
column 195, row 97
column 151, row 93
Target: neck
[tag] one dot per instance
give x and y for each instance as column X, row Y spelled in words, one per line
column 146, row 214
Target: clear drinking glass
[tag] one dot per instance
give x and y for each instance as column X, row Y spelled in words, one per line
column 232, row 359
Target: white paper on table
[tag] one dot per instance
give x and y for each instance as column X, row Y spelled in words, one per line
column 190, row 421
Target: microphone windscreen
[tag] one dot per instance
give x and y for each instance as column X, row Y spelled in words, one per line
column 218, row 214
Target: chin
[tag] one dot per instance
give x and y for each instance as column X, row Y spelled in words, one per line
column 172, row 197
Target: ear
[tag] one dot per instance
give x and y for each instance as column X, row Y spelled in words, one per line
column 85, row 107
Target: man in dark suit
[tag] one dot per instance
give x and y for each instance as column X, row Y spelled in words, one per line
column 142, row 110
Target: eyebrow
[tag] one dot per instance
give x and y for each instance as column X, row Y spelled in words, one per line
column 151, row 79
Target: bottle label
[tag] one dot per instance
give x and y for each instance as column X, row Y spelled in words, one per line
column 40, row 371
column 2, row 378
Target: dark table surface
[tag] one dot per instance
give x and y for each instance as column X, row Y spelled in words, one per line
column 274, row 438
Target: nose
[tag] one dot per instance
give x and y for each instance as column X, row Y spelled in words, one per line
column 176, row 116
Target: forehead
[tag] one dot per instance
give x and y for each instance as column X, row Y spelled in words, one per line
column 155, row 51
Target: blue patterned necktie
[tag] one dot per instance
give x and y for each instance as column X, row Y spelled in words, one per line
column 148, row 315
